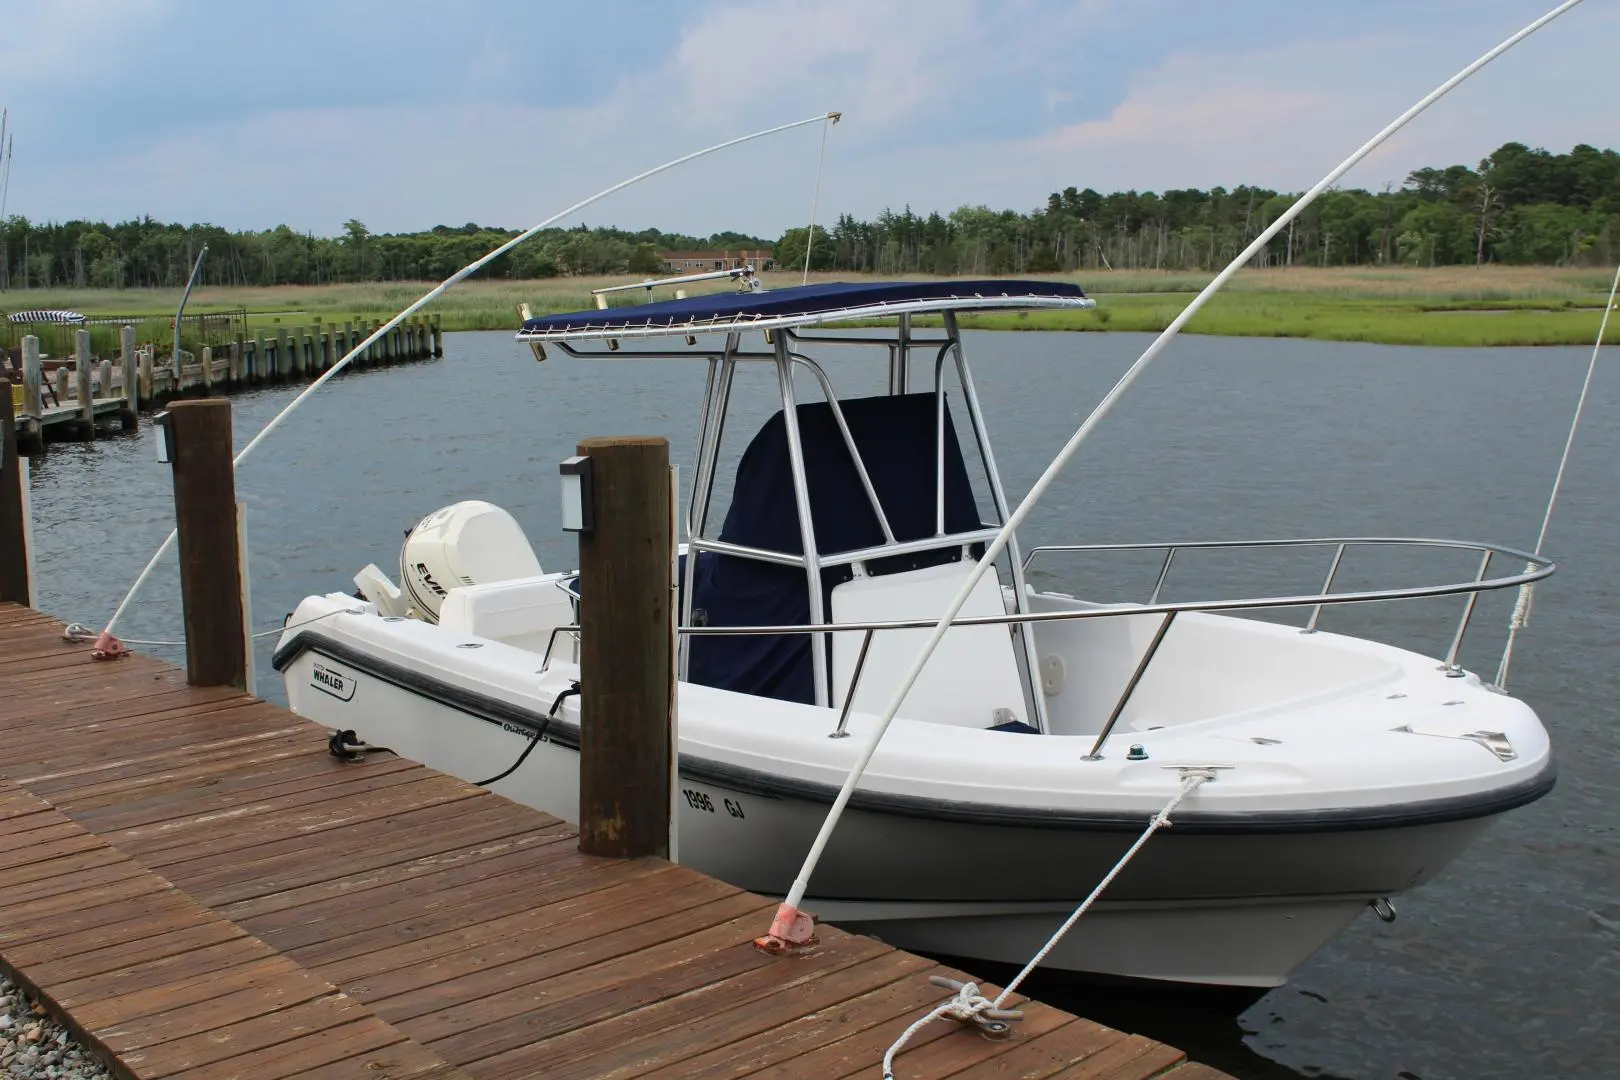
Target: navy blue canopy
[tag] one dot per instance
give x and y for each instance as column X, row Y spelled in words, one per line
column 801, row 305
column 896, row 439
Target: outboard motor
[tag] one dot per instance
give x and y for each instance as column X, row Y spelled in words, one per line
column 467, row 543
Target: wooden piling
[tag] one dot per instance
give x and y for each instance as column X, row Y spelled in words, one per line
column 104, row 370
column 233, row 369
column 280, row 368
column 626, row 651
column 177, row 366
column 148, row 374
column 210, row 558
column 207, row 369
column 31, row 369
column 16, row 567
column 30, row 433
column 261, row 363
column 129, row 416
column 438, row 335
column 82, row 376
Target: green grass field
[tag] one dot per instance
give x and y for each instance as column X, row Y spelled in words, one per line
column 1447, row 306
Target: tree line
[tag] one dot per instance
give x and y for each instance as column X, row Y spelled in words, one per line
column 1519, row 205
column 153, row 254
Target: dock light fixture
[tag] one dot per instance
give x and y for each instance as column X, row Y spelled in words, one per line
column 577, row 494
column 160, row 424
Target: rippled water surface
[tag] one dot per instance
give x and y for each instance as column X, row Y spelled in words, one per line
column 1507, row 966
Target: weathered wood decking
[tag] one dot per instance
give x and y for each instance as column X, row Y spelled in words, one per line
column 201, row 891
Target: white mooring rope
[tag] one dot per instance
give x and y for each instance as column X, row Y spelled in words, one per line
column 968, row 1003
column 801, row 884
column 1527, row 592
column 80, row 632
column 433, row 294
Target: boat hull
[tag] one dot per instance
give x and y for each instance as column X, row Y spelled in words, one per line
column 1239, row 903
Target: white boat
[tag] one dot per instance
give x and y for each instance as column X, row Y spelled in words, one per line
column 1040, row 738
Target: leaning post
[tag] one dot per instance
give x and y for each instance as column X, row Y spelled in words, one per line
column 627, row 648
column 198, row 438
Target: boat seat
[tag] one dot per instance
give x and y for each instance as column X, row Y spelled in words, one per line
column 520, row 612
column 972, row 674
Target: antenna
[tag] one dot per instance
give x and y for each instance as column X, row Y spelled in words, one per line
column 821, row 158
column 5, row 162
column 5, row 177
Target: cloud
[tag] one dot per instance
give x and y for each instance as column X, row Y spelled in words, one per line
column 404, row 166
column 881, row 58
column 1282, row 116
column 946, row 103
column 50, row 40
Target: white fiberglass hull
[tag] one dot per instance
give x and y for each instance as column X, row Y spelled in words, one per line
column 1237, row 899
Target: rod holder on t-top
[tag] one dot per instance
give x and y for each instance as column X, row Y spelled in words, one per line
column 743, row 275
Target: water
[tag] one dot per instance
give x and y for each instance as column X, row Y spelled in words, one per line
column 1505, row 967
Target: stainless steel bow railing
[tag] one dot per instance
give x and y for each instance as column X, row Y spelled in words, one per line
column 1536, row 568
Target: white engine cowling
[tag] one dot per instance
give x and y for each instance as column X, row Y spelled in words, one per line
column 467, row 543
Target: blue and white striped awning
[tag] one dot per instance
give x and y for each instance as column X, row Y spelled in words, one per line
column 60, row 318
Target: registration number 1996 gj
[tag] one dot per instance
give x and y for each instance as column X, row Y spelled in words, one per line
column 699, row 800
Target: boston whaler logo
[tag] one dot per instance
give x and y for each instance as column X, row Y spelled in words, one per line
column 328, row 680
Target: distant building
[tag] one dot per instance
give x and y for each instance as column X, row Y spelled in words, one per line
column 696, row 262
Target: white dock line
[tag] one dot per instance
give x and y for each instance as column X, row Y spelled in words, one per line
column 1527, row 592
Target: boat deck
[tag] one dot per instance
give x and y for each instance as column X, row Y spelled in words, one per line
column 198, row 889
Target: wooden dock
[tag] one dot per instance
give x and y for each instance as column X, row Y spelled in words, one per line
column 199, row 890
column 80, row 398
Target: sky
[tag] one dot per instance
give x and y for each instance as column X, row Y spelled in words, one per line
column 409, row 113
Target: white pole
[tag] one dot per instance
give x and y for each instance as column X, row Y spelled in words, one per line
column 1521, row 607
column 106, row 642
column 796, row 895
column 180, row 313
column 815, row 199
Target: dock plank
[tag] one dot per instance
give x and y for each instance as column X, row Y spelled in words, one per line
column 202, row 892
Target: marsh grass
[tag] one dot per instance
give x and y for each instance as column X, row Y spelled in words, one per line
column 1443, row 306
